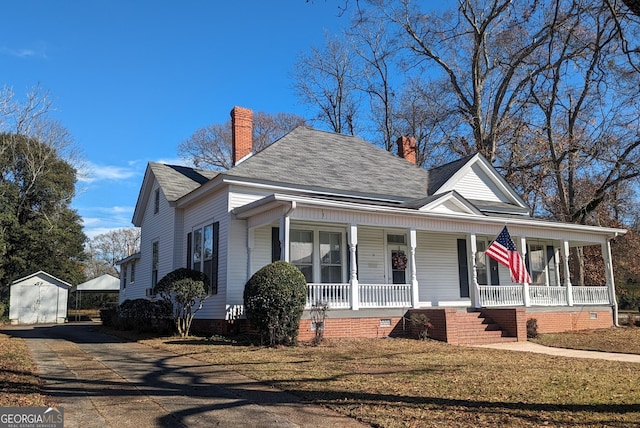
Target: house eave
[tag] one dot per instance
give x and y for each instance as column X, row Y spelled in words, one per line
column 271, row 201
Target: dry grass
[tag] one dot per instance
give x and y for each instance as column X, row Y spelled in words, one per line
column 406, row 383
column 624, row 340
column 19, row 382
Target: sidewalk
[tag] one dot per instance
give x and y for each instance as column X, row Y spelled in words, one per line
column 562, row 352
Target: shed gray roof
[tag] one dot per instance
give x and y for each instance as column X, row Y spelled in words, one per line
column 334, row 162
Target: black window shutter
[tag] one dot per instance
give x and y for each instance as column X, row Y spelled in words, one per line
column 276, row 251
column 189, row 248
column 214, row 274
column 493, row 267
column 463, row 268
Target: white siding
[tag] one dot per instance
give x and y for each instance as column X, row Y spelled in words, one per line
column 261, row 255
column 476, row 185
column 157, row 227
column 437, row 262
column 206, row 211
column 371, row 256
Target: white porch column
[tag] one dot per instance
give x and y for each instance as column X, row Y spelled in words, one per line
column 353, row 277
column 525, row 285
column 415, row 292
column 567, row 272
column 608, row 268
column 475, row 287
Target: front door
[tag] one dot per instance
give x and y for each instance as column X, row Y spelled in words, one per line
column 398, row 258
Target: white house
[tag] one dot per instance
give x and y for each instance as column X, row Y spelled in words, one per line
column 39, row 298
column 375, row 235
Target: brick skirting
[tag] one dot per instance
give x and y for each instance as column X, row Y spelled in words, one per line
column 452, row 325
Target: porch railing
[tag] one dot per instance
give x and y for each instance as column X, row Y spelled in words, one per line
column 338, row 296
column 384, row 295
column 501, row 295
column 540, row 295
column 590, row 295
column 335, row 295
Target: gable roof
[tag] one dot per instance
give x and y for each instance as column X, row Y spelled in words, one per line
column 320, row 160
column 477, row 180
column 104, row 282
column 175, row 181
column 42, row 274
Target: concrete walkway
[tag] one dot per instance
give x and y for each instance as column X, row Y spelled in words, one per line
column 101, row 381
column 562, row 352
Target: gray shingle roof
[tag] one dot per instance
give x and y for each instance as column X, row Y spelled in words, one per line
column 326, row 161
column 176, row 181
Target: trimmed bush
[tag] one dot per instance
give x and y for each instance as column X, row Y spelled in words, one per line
column 186, row 290
column 145, row 316
column 274, row 300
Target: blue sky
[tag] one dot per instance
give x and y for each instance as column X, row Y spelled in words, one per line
column 131, row 79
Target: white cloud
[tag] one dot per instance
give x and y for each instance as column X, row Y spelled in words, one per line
column 24, row 52
column 91, row 172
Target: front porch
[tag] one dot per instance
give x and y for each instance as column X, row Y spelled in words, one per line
column 355, row 296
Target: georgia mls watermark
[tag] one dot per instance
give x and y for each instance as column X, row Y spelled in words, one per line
column 31, row 417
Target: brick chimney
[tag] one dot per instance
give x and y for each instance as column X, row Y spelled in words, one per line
column 241, row 133
column 407, row 149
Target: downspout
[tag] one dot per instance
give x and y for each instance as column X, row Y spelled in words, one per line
column 284, row 233
column 609, row 271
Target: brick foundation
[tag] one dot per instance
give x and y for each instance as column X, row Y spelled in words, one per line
column 580, row 318
column 458, row 326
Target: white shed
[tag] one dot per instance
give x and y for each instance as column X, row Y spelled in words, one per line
column 39, row 298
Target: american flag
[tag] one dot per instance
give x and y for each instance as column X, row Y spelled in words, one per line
column 504, row 251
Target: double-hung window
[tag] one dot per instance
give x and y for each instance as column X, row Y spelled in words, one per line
column 202, row 249
column 319, row 254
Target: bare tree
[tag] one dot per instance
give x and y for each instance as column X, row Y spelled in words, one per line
column 210, row 146
column 324, row 79
column 105, row 250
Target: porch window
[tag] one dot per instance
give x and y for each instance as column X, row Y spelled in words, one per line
column 319, row 254
column 330, row 257
column 203, row 244
column 537, row 264
column 486, row 267
column 302, row 252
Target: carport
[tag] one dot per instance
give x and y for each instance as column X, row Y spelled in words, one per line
column 103, row 284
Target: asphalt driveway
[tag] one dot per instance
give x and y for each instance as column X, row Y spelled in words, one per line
column 101, row 381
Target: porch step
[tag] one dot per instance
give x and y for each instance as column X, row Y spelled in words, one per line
column 477, row 329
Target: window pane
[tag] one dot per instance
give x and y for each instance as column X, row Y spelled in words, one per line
column 330, row 247
column 537, row 264
column 301, row 247
column 481, row 263
column 208, row 242
column 197, row 246
column 396, row 239
column 331, row 274
column 307, row 271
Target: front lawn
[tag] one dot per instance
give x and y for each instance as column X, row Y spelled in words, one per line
column 625, row 340
column 409, row 383
column 19, row 382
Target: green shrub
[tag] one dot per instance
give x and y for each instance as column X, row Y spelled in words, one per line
column 145, row 316
column 186, row 290
column 274, row 299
